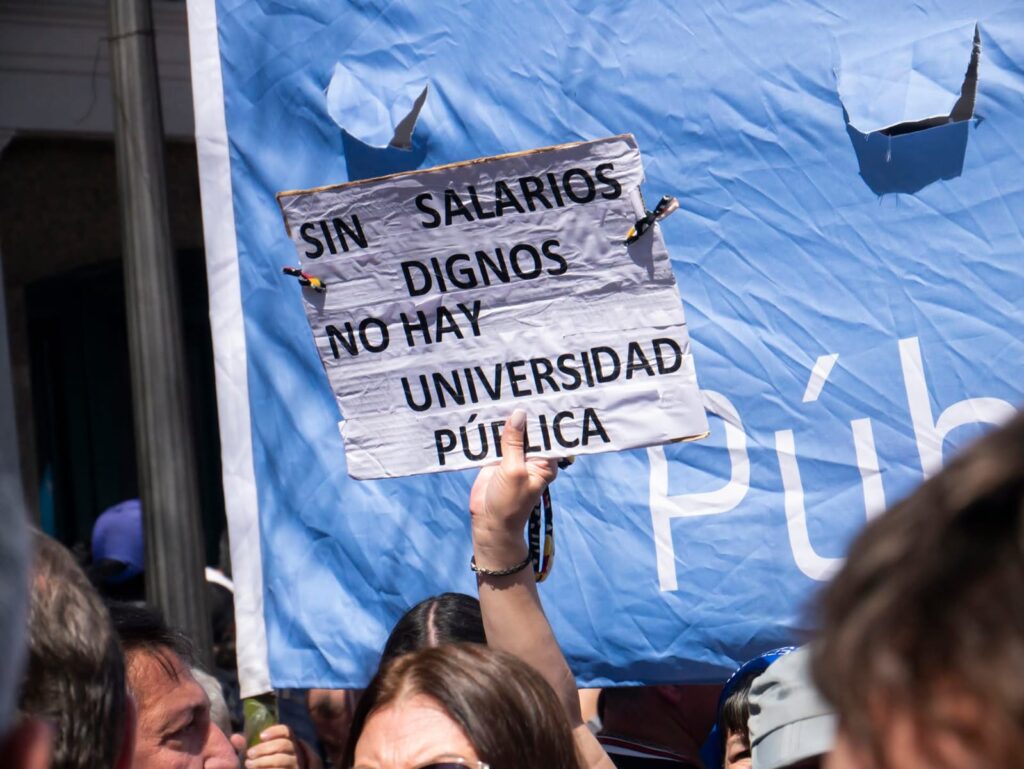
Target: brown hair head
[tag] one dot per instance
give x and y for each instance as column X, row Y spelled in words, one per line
column 507, row 711
column 440, row 619
column 930, row 602
column 736, row 710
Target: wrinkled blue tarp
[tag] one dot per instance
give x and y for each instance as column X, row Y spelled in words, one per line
column 786, row 256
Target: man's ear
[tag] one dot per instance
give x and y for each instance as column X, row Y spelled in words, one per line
column 131, row 722
column 29, row 745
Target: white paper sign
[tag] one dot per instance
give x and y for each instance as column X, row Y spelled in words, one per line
column 457, row 294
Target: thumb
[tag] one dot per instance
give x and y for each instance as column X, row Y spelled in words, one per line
column 513, row 435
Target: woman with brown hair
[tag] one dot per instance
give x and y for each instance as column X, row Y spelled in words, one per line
column 510, row 705
column 459, row 706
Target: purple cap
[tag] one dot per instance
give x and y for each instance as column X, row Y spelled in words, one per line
column 117, row 536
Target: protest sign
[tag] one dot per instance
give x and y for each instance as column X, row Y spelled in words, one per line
column 853, row 295
column 453, row 295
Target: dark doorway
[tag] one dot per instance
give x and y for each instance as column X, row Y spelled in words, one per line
column 81, row 390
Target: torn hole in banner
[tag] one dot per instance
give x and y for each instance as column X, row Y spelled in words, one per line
column 367, row 112
column 907, row 105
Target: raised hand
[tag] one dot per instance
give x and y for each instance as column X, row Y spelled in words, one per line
column 504, row 494
column 500, row 504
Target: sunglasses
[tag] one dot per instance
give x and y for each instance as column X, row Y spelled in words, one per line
column 448, row 762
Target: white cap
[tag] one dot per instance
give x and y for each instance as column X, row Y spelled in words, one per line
column 789, row 721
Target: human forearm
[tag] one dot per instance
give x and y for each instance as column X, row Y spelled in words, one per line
column 514, row 618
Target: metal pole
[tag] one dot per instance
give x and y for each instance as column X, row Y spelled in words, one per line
column 175, row 581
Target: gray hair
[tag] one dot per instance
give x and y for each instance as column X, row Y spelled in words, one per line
column 219, row 713
column 76, row 675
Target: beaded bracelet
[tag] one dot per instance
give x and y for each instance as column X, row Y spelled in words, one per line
column 500, row 572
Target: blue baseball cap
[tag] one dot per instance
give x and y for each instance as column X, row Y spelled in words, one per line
column 117, row 539
column 711, row 752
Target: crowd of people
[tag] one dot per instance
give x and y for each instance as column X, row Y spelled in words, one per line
column 918, row 659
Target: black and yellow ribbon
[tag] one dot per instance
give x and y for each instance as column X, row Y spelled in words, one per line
column 666, row 206
column 305, row 279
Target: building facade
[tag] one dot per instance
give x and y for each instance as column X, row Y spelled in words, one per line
column 60, row 250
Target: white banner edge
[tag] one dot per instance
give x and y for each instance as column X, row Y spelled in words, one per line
column 227, row 329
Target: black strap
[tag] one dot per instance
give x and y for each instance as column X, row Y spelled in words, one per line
column 542, row 554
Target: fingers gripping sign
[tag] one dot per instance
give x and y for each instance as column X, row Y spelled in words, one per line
column 504, row 495
column 279, row 748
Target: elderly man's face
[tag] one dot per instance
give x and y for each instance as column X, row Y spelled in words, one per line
column 174, row 731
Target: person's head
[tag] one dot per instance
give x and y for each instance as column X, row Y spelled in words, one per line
column 25, row 741
column 75, row 676
column 444, row 618
column 331, row 711
column 790, row 726
column 922, row 640
column 459, row 701
column 118, row 552
column 174, row 726
column 728, row 744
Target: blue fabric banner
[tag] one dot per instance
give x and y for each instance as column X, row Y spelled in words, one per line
column 852, row 277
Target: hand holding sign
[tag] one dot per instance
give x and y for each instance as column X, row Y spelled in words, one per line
column 503, row 496
column 500, row 502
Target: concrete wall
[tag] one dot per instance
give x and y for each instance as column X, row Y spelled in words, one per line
column 55, row 68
